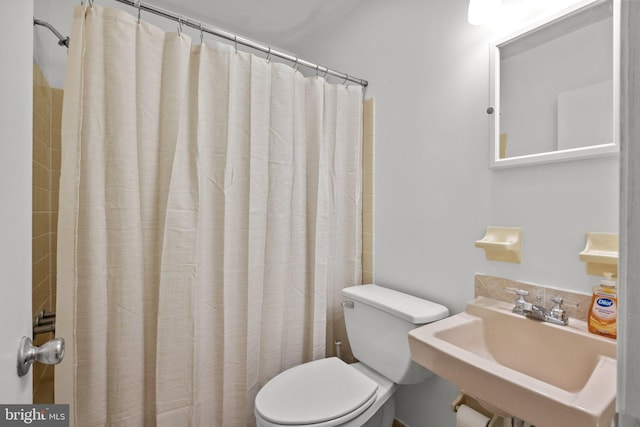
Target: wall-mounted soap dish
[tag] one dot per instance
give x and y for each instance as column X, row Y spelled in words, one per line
column 502, row 244
column 601, row 254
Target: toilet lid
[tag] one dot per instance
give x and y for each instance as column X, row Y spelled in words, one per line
column 314, row 392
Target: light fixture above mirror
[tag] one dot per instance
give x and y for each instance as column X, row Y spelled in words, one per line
column 483, row 12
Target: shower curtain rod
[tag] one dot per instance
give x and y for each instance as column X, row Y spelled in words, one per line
column 236, row 39
column 62, row 40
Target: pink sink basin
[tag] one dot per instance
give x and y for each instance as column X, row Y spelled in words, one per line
column 545, row 374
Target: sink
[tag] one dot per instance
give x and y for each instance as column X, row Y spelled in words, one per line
column 544, row 374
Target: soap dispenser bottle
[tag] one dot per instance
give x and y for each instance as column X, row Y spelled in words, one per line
column 603, row 314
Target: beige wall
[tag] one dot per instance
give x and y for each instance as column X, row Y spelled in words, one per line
column 47, row 113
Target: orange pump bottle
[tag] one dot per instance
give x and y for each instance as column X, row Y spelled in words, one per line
column 603, row 314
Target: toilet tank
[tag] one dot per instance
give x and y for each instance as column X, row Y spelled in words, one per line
column 378, row 321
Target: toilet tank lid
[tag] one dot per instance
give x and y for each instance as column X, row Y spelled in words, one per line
column 407, row 307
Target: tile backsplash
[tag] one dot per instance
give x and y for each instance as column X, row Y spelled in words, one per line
column 576, row 303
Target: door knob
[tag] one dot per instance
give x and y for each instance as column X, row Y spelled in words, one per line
column 49, row 353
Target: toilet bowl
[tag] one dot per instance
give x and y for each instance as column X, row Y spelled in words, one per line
column 323, row 393
column 329, row 392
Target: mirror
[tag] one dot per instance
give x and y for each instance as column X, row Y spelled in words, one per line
column 555, row 88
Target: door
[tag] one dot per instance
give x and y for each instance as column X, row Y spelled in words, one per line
column 629, row 327
column 16, row 82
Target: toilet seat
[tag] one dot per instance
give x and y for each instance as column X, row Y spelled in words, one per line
column 324, row 392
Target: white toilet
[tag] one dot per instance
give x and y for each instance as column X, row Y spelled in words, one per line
column 328, row 392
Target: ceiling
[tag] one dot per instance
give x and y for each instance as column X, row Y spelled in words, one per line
column 281, row 23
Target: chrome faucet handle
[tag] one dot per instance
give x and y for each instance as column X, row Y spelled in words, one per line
column 557, row 312
column 557, row 300
column 520, row 302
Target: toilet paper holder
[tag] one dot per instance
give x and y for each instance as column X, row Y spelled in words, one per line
column 464, row 399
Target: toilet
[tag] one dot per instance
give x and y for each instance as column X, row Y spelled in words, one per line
column 329, row 392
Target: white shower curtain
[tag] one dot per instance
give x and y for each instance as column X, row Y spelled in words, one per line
column 210, row 213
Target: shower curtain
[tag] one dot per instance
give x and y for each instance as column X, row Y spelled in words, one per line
column 210, row 213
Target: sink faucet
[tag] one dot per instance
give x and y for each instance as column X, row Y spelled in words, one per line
column 555, row 314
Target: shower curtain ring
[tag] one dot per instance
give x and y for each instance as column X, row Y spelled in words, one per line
column 317, row 73
column 179, row 25
column 139, row 6
column 269, row 55
column 201, row 34
column 235, row 42
column 346, row 78
column 295, row 64
column 326, row 71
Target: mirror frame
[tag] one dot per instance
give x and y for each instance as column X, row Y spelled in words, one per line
column 494, row 90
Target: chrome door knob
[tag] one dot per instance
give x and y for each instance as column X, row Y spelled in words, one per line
column 49, row 353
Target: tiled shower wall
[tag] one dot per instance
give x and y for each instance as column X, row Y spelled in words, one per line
column 367, row 189
column 47, row 118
